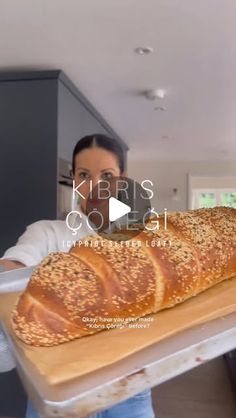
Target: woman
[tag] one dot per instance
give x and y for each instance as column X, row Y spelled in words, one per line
column 95, row 158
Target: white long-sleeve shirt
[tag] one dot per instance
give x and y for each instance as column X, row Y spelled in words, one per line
column 44, row 237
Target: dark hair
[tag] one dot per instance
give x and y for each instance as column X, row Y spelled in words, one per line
column 102, row 141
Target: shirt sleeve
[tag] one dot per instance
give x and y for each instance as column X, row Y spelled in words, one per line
column 33, row 245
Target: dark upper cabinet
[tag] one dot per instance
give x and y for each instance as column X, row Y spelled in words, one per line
column 42, row 116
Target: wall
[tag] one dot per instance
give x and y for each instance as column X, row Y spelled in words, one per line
column 167, row 175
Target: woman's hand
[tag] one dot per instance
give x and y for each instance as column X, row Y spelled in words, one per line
column 11, row 265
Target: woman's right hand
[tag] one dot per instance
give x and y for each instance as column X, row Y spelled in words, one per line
column 10, row 264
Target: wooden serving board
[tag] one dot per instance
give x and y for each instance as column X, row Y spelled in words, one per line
column 79, row 357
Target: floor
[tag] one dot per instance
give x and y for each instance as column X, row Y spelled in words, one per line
column 204, row 392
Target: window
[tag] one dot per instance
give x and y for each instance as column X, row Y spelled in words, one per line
column 228, row 198
column 207, row 192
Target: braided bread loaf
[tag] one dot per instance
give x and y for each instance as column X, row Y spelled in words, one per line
column 101, row 278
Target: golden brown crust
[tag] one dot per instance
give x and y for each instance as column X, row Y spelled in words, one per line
column 109, row 279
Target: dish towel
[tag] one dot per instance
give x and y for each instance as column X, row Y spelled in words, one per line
column 7, row 362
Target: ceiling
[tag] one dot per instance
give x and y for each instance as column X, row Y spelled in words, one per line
column 93, row 42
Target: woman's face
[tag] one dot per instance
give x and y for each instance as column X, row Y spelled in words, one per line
column 93, row 165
